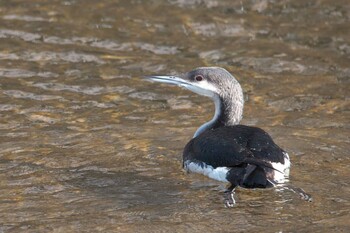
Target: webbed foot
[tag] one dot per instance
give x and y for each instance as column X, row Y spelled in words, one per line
column 229, row 199
column 305, row 196
column 302, row 194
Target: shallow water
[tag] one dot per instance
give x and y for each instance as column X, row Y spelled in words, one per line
column 88, row 146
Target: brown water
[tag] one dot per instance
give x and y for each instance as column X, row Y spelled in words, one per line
column 87, row 146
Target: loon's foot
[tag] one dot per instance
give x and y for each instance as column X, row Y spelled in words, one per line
column 229, row 198
column 303, row 195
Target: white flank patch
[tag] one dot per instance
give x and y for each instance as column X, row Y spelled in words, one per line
column 282, row 173
column 218, row 173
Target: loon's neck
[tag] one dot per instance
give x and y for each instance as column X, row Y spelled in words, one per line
column 228, row 111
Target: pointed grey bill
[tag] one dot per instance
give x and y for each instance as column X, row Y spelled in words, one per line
column 170, row 80
column 201, row 88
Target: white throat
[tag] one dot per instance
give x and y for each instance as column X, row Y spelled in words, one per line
column 228, row 112
column 210, row 123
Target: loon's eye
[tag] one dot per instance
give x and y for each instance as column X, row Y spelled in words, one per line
column 198, row 78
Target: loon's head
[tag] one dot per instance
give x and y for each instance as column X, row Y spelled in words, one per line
column 212, row 82
column 216, row 83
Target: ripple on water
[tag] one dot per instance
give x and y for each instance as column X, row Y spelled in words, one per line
column 277, row 65
column 96, row 90
column 78, row 57
column 212, row 55
column 147, row 96
column 297, row 103
column 176, row 103
column 20, row 73
column 219, row 30
column 53, row 57
column 111, row 45
column 313, row 122
column 91, row 104
column 26, row 36
column 71, row 57
column 129, row 46
column 27, row 18
column 8, row 107
column 29, row 95
column 157, row 49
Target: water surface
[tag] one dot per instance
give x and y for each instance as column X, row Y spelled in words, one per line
column 88, row 146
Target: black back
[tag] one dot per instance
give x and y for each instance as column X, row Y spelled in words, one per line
column 232, row 146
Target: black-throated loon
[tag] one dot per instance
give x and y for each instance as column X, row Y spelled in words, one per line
column 221, row 148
